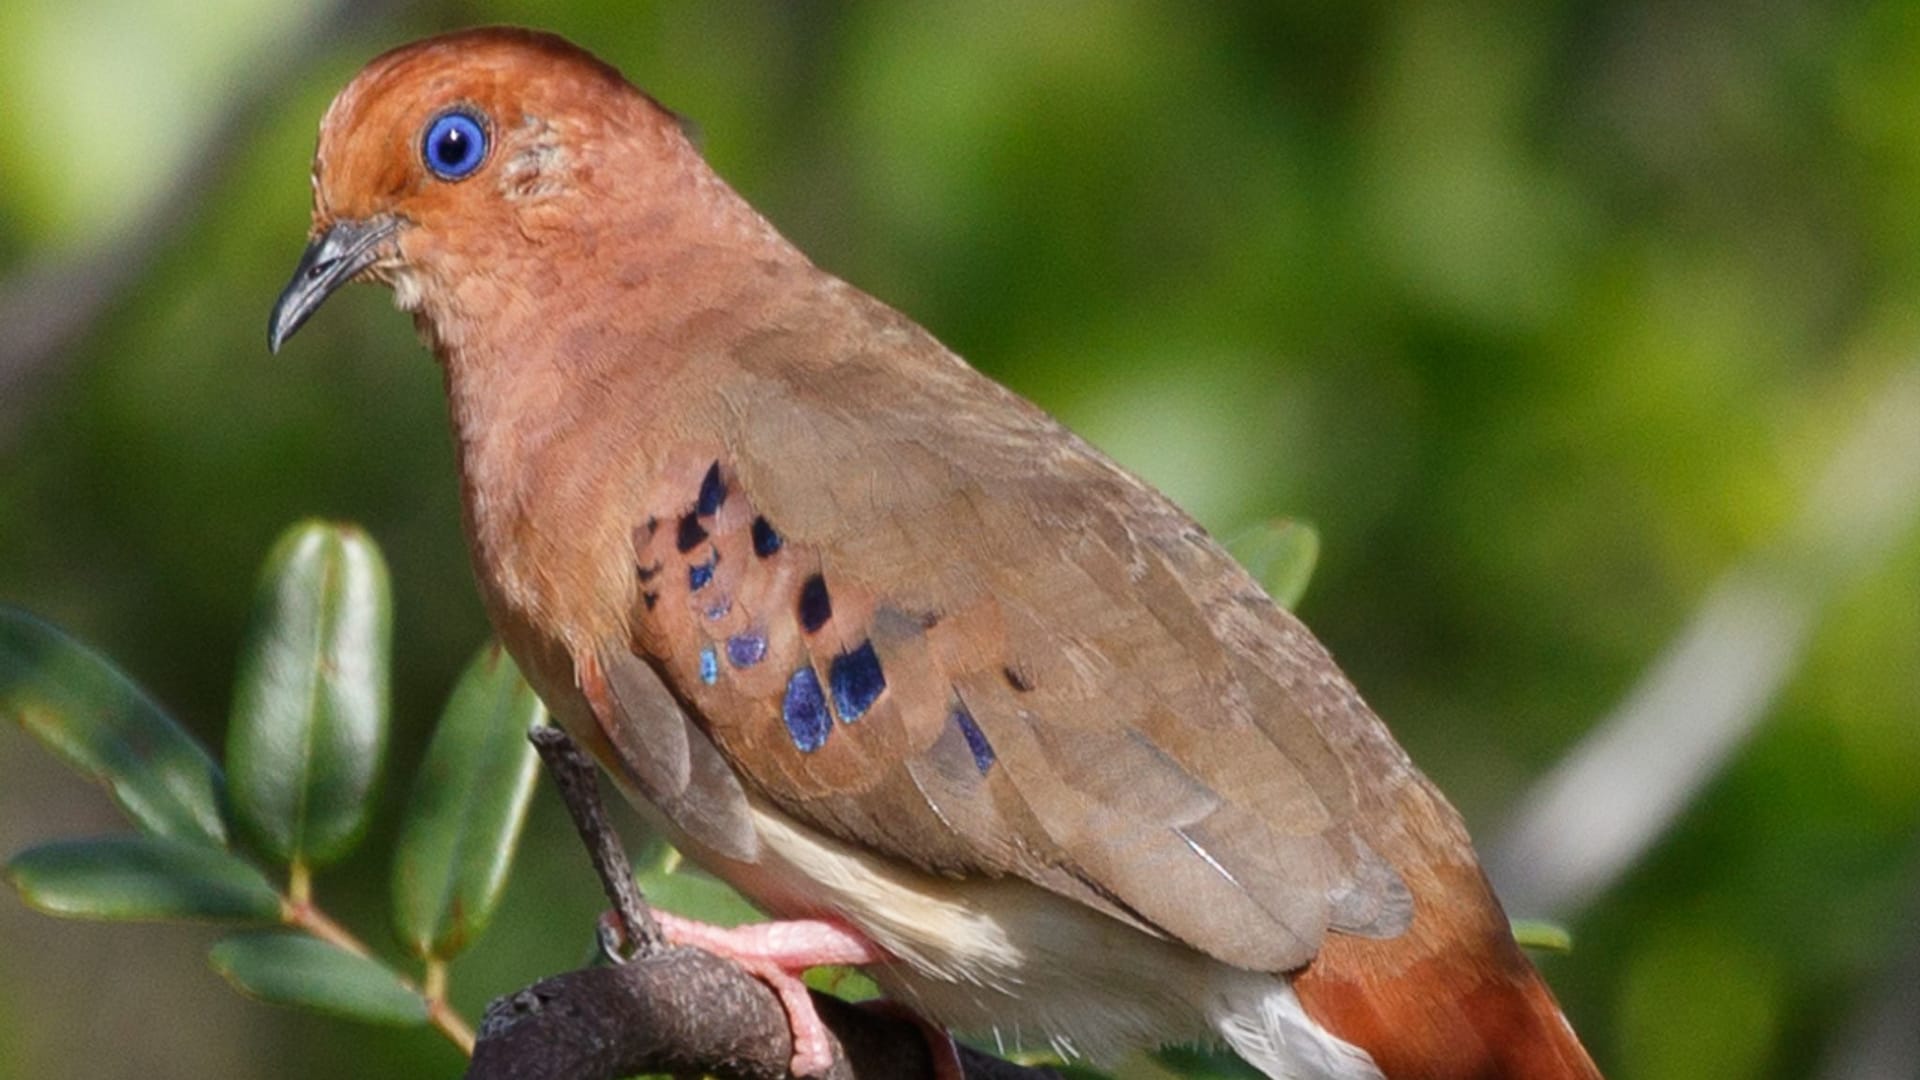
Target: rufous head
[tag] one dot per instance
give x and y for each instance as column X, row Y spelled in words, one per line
column 453, row 159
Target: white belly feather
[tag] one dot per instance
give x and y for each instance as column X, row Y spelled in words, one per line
column 1011, row 961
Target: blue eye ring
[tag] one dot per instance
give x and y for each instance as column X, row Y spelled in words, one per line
column 455, row 144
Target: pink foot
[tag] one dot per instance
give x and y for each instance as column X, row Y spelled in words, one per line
column 777, row 953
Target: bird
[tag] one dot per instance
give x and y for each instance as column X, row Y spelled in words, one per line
column 934, row 682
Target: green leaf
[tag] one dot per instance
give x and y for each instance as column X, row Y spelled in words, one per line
column 1280, row 555
column 684, row 890
column 468, row 804
column 81, row 706
column 310, row 704
column 1194, row 1063
column 142, row 878
column 289, row 968
column 845, row 983
column 1542, row 936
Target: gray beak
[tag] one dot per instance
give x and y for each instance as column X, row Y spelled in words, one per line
column 330, row 261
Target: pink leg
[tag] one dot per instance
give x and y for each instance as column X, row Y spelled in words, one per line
column 777, row 953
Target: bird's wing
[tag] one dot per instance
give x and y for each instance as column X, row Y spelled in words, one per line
column 916, row 613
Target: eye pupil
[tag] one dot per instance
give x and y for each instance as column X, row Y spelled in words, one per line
column 456, row 144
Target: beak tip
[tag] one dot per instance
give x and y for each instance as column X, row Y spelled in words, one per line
column 280, row 327
column 331, row 260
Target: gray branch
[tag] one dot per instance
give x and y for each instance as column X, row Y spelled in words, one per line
column 686, row 1012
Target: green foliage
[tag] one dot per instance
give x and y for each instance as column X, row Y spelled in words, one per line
column 308, row 736
column 83, row 709
column 1542, row 936
column 1281, row 556
column 1190, row 1063
column 143, row 879
column 669, row 884
column 468, row 804
column 310, row 702
column 294, row 969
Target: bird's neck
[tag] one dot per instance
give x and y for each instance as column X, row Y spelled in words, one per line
column 514, row 439
column 563, row 412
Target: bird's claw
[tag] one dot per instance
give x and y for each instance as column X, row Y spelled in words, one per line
column 776, row 954
column 616, row 945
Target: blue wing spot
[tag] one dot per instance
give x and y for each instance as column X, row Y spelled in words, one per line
column 713, row 492
column 983, row 756
column 765, row 540
column 857, row 681
column 709, row 666
column 816, row 607
column 746, row 650
column 700, row 575
column 805, row 711
column 689, row 535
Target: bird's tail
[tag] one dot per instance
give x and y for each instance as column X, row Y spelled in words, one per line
column 1453, row 998
column 1261, row 1019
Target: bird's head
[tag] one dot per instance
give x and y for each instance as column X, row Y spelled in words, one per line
column 450, row 165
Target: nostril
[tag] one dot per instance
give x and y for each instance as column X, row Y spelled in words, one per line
column 320, row 268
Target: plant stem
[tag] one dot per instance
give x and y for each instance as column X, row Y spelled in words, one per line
column 436, row 979
column 440, row 1012
column 299, row 884
column 301, row 914
column 314, row 921
column 448, row 1022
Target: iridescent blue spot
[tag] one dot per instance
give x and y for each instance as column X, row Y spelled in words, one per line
column 713, row 492
column 709, row 666
column 719, row 608
column 748, row 649
column 816, row 607
column 700, row 575
column 765, row 540
column 983, row 756
column 857, row 680
column 805, row 711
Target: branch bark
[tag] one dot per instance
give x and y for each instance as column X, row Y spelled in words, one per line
column 676, row 1010
column 683, row 1011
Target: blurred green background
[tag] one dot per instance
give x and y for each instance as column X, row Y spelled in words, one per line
column 1548, row 315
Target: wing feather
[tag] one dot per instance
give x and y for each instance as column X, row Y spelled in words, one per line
column 1034, row 665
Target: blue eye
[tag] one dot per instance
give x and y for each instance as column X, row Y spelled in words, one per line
column 455, row 145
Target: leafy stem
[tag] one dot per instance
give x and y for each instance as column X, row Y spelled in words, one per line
column 305, row 746
column 301, row 913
